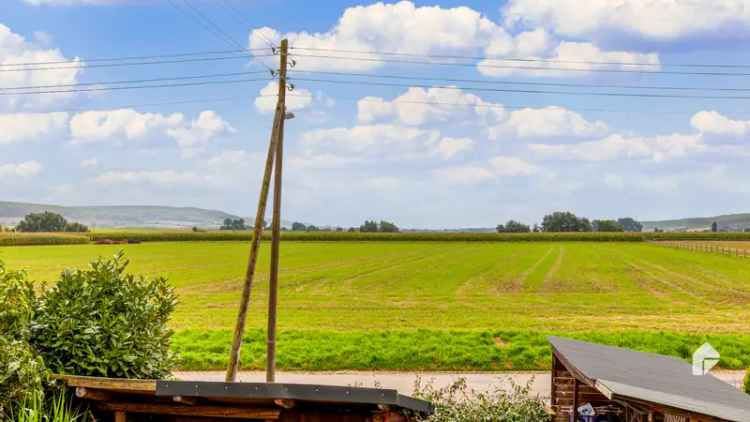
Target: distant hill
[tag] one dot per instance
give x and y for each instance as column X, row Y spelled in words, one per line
column 119, row 216
column 730, row 222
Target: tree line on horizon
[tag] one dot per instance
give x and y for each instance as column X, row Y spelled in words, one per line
column 565, row 221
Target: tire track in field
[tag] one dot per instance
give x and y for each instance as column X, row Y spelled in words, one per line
column 550, row 283
column 732, row 294
column 348, row 282
column 519, row 283
column 672, row 287
column 474, row 282
column 713, row 286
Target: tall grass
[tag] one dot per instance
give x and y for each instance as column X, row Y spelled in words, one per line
column 58, row 408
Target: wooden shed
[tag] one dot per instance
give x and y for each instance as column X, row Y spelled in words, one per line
column 628, row 386
column 128, row 400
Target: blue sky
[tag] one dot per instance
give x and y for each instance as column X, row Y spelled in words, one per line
column 432, row 155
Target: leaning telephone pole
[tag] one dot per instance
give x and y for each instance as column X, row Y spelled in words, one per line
column 273, row 281
column 274, row 153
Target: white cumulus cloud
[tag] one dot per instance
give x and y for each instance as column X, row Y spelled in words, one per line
column 15, row 51
column 650, row 19
column 110, row 125
column 716, row 123
column 619, row 147
column 23, row 127
column 402, row 27
column 546, row 122
column 512, row 166
column 24, row 169
column 298, row 99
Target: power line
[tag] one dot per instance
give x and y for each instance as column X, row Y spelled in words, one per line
column 237, row 15
column 526, row 91
column 510, row 82
column 126, row 58
column 499, row 106
column 142, row 63
column 117, row 88
column 137, row 81
column 520, row 59
column 155, row 104
column 561, row 69
column 204, row 21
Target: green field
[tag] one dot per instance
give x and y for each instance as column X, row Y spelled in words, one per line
column 438, row 305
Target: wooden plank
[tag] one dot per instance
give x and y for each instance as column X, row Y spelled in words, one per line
column 203, row 411
column 91, row 394
column 121, row 417
column 109, row 384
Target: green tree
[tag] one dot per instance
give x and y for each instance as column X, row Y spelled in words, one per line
column 236, row 224
column 387, row 227
column 564, row 221
column 369, row 227
column 48, row 222
column 298, row 227
column 513, row 226
column 714, row 227
column 630, row 225
column 607, row 226
column 312, row 228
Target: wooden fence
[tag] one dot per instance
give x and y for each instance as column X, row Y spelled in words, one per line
column 708, row 247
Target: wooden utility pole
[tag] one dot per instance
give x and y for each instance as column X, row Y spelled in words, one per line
column 278, row 123
column 273, row 281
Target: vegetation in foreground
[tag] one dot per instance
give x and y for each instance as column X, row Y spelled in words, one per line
column 99, row 321
column 459, row 403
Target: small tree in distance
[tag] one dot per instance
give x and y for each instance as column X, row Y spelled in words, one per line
column 298, row 227
column 560, row 221
column 513, row 226
column 630, row 225
column 48, row 222
column 607, row 226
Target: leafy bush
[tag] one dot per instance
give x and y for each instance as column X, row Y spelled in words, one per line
column 747, row 381
column 17, row 304
column 104, row 322
column 22, row 375
column 458, row 403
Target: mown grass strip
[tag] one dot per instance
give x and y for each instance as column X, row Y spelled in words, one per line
column 436, row 350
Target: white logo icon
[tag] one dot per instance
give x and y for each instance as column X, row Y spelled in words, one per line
column 705, row 358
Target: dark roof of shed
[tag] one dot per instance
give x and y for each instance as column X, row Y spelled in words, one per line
column 653, row 378
column 310, row 393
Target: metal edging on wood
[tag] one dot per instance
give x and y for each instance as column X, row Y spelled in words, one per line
column 300, row 392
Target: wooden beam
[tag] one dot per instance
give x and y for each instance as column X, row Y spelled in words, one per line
column 285, row 403
column 110, row 384
column 190, row 401
column 121, row 417
column 203, row 411
column 90, row 394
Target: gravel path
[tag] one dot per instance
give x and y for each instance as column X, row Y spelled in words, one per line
column 404, row 381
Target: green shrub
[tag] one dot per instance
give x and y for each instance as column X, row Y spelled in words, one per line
column 22, row 375
column 17, row 303
column 458, row 403
column 58, row 408
column 747, row 381
column 104, row 322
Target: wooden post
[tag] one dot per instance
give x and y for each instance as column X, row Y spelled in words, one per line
column 120, row 417
column 575, row 399
column 239, row 329
column 273, row 281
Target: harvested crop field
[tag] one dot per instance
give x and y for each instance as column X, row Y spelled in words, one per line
column 439, row 305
